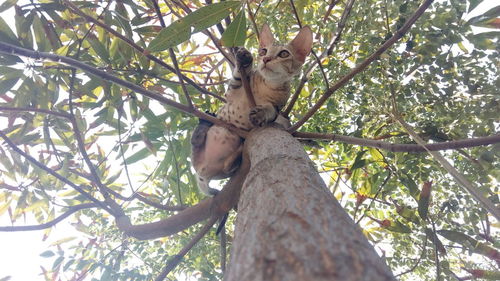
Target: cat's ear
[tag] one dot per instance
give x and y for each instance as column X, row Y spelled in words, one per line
column 302, row 43
column 266, row 37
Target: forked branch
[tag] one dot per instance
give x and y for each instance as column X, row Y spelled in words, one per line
column 397, row 35
column 18, row 51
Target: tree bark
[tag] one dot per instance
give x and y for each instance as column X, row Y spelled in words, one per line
column 289, row 225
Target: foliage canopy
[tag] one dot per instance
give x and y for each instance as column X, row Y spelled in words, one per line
column 441, row 77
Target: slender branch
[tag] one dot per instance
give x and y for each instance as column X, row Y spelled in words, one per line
column 397, row 35
column 422, row 255
column 473, row 142
column 212, row 37
column 223, row 252
column 328, row 12
column 14, row 50
column 459, row 178
column 39, row 110
column 177, row 258
column 313, row 65
column 215, row 207
column 341, row 26
column 42, row 166
column 172, row 56
column 318, row 61
column 140, row 49
column 70, row 211
column 373, row 198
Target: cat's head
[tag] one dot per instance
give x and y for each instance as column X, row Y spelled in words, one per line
column 279, row 63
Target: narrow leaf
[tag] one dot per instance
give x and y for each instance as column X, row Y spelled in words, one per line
column 170, row 36
column 424, row 199
column 211, row 14
column 235, row 33
column 7, row 4
column 180, row 30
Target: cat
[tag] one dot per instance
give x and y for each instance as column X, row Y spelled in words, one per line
column 216, row 151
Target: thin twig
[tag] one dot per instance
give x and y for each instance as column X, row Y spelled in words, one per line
column 138, row 48
column 39, row 110
column 177, row 258
column 70, row 211
column 172, row 56
column 341, row 26
column 472, row 142
column 316, row 57
column 313, row 65
column 42, row 166
column 397, row 35
column 459, row 178
column 422, row 255
column 14, row 50
column 223, row 244
column 373, row 198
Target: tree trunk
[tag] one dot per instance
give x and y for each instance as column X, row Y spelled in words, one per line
column 289, row 226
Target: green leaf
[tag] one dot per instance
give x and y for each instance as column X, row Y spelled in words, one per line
column 473, row 4
column 424, row 199
column 358, row 162
column 180, row 30
column 407, row 181
column 235, row 33
column 139, row 155
column 211, row 14
column 6, row 85
column 7, row 4
column 63, row 240
column 170, row 36
column 489, row 15
column 47, row 254
column 99, row 49
column 6, row 34
column 470, row 243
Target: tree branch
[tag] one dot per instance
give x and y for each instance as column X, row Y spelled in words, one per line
column 39, row 110
column 14, row 50
column 473, row 142
column 51, row 172
column 141, row 50
column 177, row 258
column 70, row 211
column 172, row 56
column 397, row 35
column 459, row 178
column 317, row 62
column 341, row 26
column 215, row 207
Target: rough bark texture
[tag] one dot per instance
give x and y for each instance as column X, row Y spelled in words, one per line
column 290, row 227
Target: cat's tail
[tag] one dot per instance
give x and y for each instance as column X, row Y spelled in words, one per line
column 203, row 185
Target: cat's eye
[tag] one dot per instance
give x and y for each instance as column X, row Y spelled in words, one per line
column 262, row 52
column 284, row 54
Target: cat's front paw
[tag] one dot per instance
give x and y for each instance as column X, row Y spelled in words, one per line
column 261, row 115
column 243, row 57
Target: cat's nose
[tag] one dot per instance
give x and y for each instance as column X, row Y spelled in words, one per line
column 266, row 59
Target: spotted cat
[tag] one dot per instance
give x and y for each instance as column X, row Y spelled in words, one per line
column 216, row 152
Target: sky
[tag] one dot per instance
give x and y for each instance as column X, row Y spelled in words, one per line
column 20, row 251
